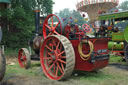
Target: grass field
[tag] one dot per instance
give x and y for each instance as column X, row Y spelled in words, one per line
column 111, row 75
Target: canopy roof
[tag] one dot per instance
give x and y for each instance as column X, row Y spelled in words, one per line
column 117, row 15
column 4, row 1
column 94, row 7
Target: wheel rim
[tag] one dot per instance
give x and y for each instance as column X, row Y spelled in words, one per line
column 53, row 59
column 22, row 59
column 52, row 29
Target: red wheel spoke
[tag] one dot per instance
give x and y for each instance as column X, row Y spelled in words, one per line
column 49, row 54
column 59, row 68
column 57, row 25
column 62, row 61
column 50, row 67
column 62, row 66
column 60, row 47
column 57, row 46
column 47, row 58
column 50, row 33
column 52, row 20
column 56, row 71
column 48, row 48
column 56, row 33
column 24, row 59
column 52, row 46
column 48, row 26
column 53, row 42
column 49, row 63
column 61, row 53
column 62, row 57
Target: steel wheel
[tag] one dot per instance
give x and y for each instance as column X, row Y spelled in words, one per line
column 24, row 58
column 50, row 27
column 2, row 66
column 126, row 53
column 57, row 57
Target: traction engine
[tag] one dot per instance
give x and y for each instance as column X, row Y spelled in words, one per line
column 3, row 5
column 67, row 48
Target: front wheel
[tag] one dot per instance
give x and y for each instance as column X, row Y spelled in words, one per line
column 24, row 58
column 2, row 66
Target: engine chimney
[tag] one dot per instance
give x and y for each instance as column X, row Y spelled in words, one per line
column 37, row 21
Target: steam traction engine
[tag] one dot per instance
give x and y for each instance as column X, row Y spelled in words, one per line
column 67, row 48
column 118, row 28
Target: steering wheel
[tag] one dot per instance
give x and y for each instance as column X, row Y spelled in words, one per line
column 86, row 27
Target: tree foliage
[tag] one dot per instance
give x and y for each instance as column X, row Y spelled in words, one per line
column 18, row 21
column 124, row 5
column 75, row 15
column 44, row 5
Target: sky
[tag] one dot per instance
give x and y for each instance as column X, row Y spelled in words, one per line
column 71, row 4
column 61, row 4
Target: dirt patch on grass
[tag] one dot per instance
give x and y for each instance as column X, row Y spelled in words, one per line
column 113, row 74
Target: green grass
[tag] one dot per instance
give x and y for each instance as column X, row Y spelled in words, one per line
column 11, row 52
column 13, row 70
column 106, row 76
column 115, row 59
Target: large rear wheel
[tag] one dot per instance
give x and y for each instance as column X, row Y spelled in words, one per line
column 2, row 66
column 57, row 57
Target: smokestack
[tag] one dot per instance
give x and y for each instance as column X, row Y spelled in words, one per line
column 37, row 20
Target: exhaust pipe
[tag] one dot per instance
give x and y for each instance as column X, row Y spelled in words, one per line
column 37, row 21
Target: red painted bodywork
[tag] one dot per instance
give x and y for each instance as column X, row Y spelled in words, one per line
column 82, row 65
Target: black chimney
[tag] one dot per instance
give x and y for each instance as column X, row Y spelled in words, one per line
column 37, row 20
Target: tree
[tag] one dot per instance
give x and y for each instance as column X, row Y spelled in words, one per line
column 78, row 16
column 44, row 5
column 18, row 23
column 71, row 14
column 124, row 5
